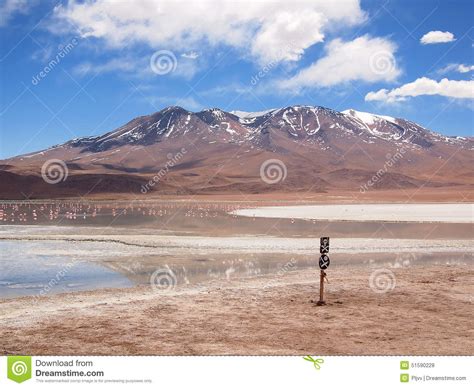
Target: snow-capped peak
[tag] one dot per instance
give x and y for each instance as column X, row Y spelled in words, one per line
column 368, row 118
column 250, row 115
column 216, row 112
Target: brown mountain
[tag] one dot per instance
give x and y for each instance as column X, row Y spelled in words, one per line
column 222, row 152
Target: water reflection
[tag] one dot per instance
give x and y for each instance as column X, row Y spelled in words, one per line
column 29, row 268
column 208, row 218
column 196, row 270
column 47, row 267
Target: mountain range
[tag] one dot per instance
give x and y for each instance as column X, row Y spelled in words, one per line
column 314, row 149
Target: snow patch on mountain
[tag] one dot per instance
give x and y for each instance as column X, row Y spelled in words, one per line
column 250, row 115
column 368, row 118
column 373, row 123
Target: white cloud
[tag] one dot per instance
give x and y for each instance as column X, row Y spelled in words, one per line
column 43, row 54
column 458, row 67
column 433, row 37
column 268, row 30
column 190, row 55
column 9, row 8
column 465, row 68
column 364, row 58
column 424, row 86
column 187, row 67
column 137, row 67
column 287, row 36
column 122, row 64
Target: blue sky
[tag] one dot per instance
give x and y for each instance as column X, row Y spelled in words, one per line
column 72, row 69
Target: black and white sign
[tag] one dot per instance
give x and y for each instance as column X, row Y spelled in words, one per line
column 324, row 262
column 324, row 245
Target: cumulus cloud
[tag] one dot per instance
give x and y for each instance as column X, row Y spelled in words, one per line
column 267, row 30
column 362, row 59
column 433, row 37
column 424, row 86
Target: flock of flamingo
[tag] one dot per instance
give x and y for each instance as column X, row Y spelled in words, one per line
column 31, row 212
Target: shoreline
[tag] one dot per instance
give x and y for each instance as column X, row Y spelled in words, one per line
column 260, row 243
column 416, row 195
column 265, row 315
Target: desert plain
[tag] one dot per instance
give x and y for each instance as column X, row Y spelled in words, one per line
column 234, row 277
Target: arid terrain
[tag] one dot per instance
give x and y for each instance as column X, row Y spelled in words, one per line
column 300, row 150
column 429, row 312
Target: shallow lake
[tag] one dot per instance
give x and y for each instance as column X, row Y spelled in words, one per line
column 48, row 267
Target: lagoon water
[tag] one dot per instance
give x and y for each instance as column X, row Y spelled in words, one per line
column 48, row 267
column 42, row 268
column 48, row 248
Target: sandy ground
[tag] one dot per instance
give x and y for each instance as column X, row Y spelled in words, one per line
column 428, row 312
column 447, row 212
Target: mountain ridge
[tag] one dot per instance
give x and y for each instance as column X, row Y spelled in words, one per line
column 321, row 149
column 248, row 120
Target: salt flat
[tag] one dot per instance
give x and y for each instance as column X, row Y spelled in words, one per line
column 115, row 244
column 400, row 212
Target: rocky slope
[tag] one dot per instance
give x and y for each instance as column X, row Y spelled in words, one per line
column 316, row 148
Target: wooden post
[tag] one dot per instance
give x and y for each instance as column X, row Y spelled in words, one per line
column 323, row 264
column 321, row 301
